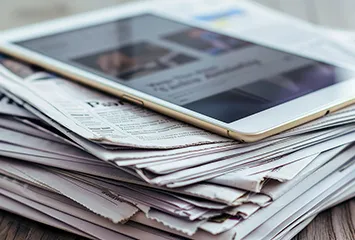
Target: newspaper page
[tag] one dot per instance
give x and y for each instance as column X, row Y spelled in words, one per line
column 67, row 206
column 15, row 124
column 20, row 139
column 276, row 189
column 322, row 173
column 190, row 224
column 322, row 190
column 255, row 181
column 342, row 195
column 218, row 168
column 247, row 179
column 113, row 209
column 324, row 177
column 95, row 231
column 197, row 177
column 99, row 117
column 9, row 107
column 250, row 180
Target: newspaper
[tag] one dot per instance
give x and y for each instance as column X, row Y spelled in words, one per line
column 71, row 164
column 69, row 207
column 176, row 156
column 72, row 212
column 240, row 155
column 166, row 221
column 15, row 124
column 99, row 117
column 341, row 178
column 103, row 152
column 275, row 189
column 218, row 168
column 336, row 170
column 340, row 194
column 205, row 190
column 113, row 209
column 44, row 145
column 299, row 224
column 305, row 161
column 255, row 182
column 91, row 229
column 247, row 212
column 9, row 107
column 250, row 182
column 211, row 157
column 193, row 225
column 230, row 196
column 94, row 167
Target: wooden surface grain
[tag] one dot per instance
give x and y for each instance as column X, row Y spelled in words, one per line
column 13, row 227
column 337, row 223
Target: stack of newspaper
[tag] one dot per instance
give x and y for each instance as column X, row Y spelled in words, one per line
column 94, row 165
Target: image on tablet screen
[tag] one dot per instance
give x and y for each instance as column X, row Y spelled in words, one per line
column 135, row 60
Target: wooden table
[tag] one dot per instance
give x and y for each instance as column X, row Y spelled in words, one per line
column 337, row 223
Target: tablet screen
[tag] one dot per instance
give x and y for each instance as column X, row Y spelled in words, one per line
column 223, row 77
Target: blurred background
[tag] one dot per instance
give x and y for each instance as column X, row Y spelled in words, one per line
column 332, row 13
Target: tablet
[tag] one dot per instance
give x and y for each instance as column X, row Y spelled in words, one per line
column 219, row 82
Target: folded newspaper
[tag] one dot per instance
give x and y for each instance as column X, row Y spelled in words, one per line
column 97, row 166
